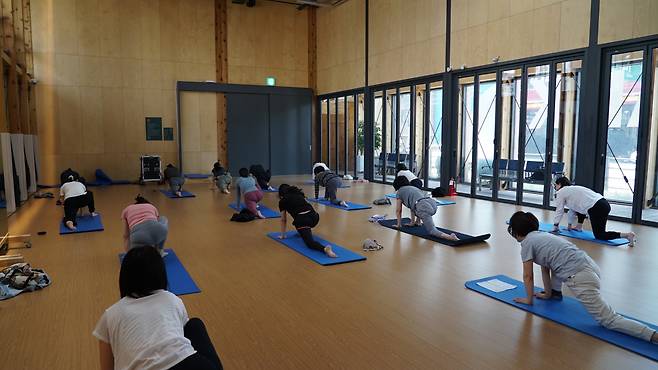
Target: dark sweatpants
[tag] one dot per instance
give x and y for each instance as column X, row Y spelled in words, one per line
column 303, row 223
column 598, row 217
column 206, row 357
column 72, row 204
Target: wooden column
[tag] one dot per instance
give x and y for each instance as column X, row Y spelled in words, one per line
column 313, row 75
column 221, row 65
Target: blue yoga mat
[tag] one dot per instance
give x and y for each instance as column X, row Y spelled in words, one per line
column 180, row 281
column 268, row 213
column 169, row 194
column 569, row 312
column 295, row 242
column 350, row 206
column 582, row 235
column 439, row 202
column 420, row 231
column 197, row 175
column 85, row 224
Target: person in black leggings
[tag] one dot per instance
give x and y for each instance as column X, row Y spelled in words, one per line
column 293, row 201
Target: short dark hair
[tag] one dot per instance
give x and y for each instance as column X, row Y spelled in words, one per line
column 563, row 181
column 401, row 167
column 243, row 172
column 318, row 169
column 139, row 199
column 399, row 182
column 522, row 224
column 142, row 272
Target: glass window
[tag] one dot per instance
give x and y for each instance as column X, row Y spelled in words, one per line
column 378, row 154
column 650, row 204
column 535, row 134
column 465, row 134
column 623, row 123
column 435, row 134
column 324, row 138
column 360, row 142
column 509, row 134
column 486, row 133
column 341, row 142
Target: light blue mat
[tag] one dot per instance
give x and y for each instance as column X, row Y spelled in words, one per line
column 350, row 206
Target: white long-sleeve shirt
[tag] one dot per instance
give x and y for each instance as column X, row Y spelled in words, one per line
column 577, row 198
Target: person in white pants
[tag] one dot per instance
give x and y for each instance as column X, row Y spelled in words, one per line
column 561, row 261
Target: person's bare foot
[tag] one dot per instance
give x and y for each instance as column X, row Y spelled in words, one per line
column 260, row 215
column 654, row 337
column 70, row 225
column 179, row 194
column 329, row 252
column 343, row 204
column 450, row 236
column 632, row 239
column 94, row 214
column 225, row 191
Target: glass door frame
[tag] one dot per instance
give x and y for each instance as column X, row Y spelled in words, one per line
column 639, row 185
column 410, row 85
column 324, row 143
column 524, row 66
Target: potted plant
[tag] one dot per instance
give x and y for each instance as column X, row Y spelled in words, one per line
column 360, row 144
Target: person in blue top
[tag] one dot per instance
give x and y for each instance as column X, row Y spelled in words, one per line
column 247, row 186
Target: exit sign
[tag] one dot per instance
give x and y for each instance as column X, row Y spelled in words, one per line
column 270, row 81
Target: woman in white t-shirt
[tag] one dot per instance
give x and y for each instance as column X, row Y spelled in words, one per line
column 413, row 179
column 582, row 201
column 75, row 196
column 148, row 328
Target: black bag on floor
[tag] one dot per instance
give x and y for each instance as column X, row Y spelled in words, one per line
column 438, row 192
column 243, row 216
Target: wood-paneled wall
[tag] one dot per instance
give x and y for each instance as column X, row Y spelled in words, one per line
column 341, row 47
column 269, row 39
column 406, row 39
column 621, row 20
column 511, row 29
column 105, row 65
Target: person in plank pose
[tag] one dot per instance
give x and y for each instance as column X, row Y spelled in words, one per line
column 148, row 328
column 304, row 216
column 421, row 205
column 331, row 182
column 413, row 179
column 562, row 262
column 582, row 201
column 262, row 176
column 248, row 187
column 221, row 178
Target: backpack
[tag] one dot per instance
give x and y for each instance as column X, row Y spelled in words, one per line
column 382, row 202
column 438, row 193
column 243, row 216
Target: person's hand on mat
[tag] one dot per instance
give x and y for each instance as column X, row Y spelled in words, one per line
column 523, row 300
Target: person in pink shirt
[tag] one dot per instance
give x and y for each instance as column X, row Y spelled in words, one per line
column 143, row 226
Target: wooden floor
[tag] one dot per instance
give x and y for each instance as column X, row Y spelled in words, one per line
column 268, row 307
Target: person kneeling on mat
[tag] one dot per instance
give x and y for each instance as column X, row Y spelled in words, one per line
column 582, row 201
column 422, row 207
column 148, row 328
column 262, row 177
column 252, row 194
column 331, row 182
column 173, row 176
column 75, row 196
column 561, row 261
column 413, row 179
column 293, row 201
column 221, row 178
column 316, row 165
column 143, row 226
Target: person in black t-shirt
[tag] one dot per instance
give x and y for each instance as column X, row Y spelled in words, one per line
column 293, row 201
